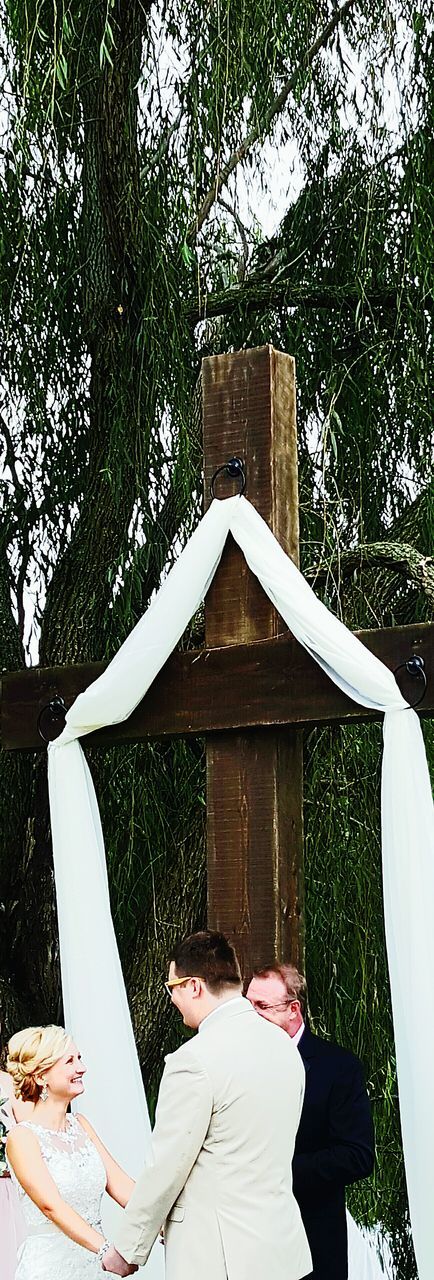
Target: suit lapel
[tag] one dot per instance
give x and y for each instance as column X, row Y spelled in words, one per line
column 307, row 1047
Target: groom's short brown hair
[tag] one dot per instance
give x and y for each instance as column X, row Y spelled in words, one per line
column 209, row 956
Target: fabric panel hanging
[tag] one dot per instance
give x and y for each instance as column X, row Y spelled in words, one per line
column 94, row 992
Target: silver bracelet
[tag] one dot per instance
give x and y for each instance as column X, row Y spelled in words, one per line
column 103, row 1250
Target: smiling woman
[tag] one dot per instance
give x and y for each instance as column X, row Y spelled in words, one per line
column 59, row 1164
column 33, row 1056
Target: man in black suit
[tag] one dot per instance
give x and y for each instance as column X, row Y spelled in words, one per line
column 335, row 1140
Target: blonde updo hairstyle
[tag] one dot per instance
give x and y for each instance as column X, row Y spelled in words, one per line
column 30, row 1053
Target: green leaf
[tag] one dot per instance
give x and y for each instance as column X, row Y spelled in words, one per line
column 186, row 254
column 62, row 71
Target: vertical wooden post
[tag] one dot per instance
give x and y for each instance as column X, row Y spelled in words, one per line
column 254, row 778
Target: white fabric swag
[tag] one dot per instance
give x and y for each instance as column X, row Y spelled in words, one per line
column 95, row 1002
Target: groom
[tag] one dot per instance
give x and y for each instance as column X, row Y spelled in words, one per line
column 228, row 1111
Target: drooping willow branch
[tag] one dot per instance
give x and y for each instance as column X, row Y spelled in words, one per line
column 260, row 131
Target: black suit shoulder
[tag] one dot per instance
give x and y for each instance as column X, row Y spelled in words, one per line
column 333, row 1056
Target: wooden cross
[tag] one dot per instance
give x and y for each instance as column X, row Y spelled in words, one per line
column 252, row 689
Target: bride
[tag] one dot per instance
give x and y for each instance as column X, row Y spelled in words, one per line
column 60, row 1165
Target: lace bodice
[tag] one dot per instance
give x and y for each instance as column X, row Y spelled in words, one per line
column 75, row 1167
column 78, row 1171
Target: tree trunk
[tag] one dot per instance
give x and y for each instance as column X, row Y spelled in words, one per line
column 76, row 620
column 15, row 785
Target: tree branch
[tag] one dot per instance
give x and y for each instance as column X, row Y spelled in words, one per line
column 260, row 131
column 400, row 557
column 242, row 264
column 253, row 297
column 162, row 148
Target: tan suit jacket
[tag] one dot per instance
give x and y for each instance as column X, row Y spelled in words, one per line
column 228, row 1111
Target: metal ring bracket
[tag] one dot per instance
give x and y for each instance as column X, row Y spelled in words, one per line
column 235, row 469
column 49, row 717
column 414, row 667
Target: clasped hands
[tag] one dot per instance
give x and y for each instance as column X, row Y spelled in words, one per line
column 113, row 1261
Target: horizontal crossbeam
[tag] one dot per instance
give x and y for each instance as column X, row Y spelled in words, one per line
column 271, row 682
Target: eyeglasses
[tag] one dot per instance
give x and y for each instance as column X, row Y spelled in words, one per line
column 174, row 982
column 263, row 1008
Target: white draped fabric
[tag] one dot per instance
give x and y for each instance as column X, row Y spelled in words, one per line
column 365, row 1249
column 95, row 1001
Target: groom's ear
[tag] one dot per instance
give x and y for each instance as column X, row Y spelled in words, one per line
column 198, row 987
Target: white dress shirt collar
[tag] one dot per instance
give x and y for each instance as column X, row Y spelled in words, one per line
column 295, row 1039
column 237, row 1004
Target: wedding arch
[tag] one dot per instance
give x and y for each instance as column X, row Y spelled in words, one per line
column 94, row 994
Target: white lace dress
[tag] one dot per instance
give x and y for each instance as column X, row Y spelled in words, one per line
column 79, row 1173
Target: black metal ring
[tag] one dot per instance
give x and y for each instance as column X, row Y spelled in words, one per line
column 415, row 667
column 56, row 710
column 235, row 469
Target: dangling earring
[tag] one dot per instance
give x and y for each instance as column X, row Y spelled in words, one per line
column 44, row 1093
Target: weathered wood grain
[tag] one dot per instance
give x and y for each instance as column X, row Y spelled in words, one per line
column 254, row 779
column 208, row 690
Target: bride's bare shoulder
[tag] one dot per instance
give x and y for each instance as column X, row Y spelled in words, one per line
column 20, row 1138
column 89, row 1129
column 85, row 1123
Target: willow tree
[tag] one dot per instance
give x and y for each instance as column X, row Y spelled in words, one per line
column 132, row 135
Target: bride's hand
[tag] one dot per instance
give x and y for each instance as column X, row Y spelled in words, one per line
column 113, row 1261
